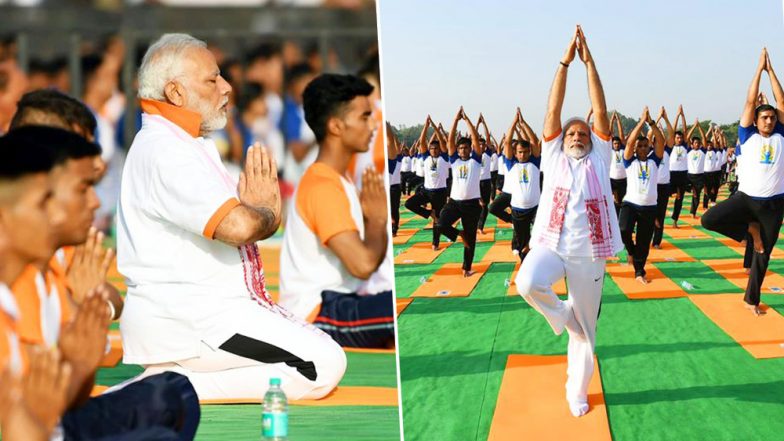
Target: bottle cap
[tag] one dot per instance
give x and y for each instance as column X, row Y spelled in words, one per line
column 274, row 381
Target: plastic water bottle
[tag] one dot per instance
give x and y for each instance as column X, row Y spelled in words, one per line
column 687, row 286
column 275, row 413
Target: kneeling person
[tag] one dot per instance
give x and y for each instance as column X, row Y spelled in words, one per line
column 335, row 237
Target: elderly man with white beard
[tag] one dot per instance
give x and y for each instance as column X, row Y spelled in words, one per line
column 576, row 229
column 197, row 302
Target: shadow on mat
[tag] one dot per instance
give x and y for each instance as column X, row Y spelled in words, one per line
column 749, row 392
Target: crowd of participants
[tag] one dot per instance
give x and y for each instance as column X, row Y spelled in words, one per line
column 265, row 103
column 508, row 181
column 561, row 191
column 198, row 316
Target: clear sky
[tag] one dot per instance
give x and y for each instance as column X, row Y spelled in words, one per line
column 494, row 55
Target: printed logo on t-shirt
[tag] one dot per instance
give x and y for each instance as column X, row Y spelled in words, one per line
column 617, row 156
column 766, row 154
column 524, row 179
column 462, row 172
column 679, row 154
column 644, row 173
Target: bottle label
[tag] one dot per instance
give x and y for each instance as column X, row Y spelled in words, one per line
column 274, row 424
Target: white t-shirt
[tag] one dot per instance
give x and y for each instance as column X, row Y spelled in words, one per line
column 641, row 180
column 182, row 284
column 617, row 170
column 436, row 171
column 664, row 167
column 712, row 161
column 503, row 170
column 494, row 162
column 575, row 240
column 417, row 163
column 487, row 159
column 696, row 158
column 465, row 177
column 405, row 166
column 759, row 158
column 323, row 205
column 501, row 165
column 678, row 160
column 394, row 170
column 525, row 175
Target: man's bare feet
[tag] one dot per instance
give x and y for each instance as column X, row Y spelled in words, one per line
column 754, row 231
column 747, row 270
column 658, row 246
column 435, row 247
column 694, row 216
column 755, row 309
column 675, row 224
column 642, row 280
column 468, row 273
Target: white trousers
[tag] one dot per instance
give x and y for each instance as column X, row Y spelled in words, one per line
column 221, row 375
column 543, row 267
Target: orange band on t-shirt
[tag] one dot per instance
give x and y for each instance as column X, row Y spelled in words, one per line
column 553, row 136
column 601, row 135
column 322, row 203
column 185, row 119
column 217, row 217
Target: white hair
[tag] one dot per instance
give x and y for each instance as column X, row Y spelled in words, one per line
column 588, row 147
column 163, row 62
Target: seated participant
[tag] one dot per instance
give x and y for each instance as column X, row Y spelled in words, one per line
column 335, row 238
column 186, row 244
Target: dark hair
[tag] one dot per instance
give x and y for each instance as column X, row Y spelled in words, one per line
column 90, row 64
column 641, row 138
column 435, row 142
column 298, row 71
column 21, row 158
column 327, row 95
column 65, row 144
column 678, row 132
column 523, row 143
column 68, row 109
column 763, row 108
column 696, row 138
column 250, row 92
column 463, row 141
column 36, row 149
column 370, row 67
column 264, row 51
column 616, row 138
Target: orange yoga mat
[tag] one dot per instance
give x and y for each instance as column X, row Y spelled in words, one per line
column 402, row 304
column 686, row 219
column 532, row 404
column 405, row 221
column 685, row 232
column 501, row 251
column 761, row 336
column 115, row 353
column 732, row 270
column 668, row 253
column 403, row 236
column 341, row 396
column 270, row 258
column 559, row 287
column 420, row 252
column 777, row 253
column 448, row 281
column 660, row 286
column 502, row 224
